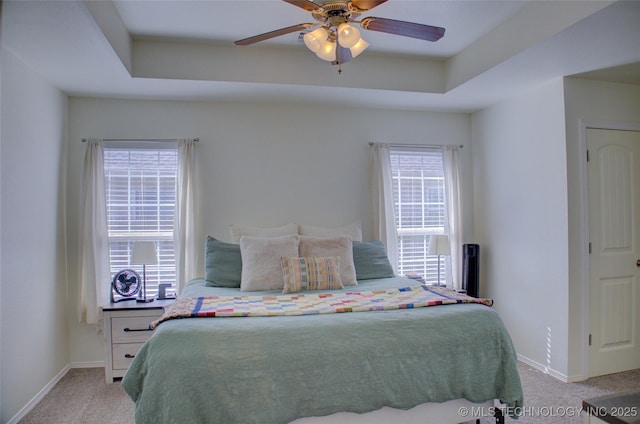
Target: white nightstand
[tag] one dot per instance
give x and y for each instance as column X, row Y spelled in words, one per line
column 126, row 328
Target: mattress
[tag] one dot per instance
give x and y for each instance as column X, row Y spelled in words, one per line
column 277, row 369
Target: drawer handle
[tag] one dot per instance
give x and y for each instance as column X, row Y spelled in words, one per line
column 129, row 356
column 127, row 329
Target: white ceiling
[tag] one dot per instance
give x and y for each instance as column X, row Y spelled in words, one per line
column 177, row 49
column 227, row 21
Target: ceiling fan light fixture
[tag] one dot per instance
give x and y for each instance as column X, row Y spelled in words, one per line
column 327, row 51
column 348, row 35
column 359, row 47
column 314, row 39
column 336, row 37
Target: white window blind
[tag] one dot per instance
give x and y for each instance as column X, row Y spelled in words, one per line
column 419, row 200
column 140, row 186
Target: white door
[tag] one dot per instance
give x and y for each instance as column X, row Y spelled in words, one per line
column 614, row 230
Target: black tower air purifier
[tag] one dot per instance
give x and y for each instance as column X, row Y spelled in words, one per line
column 471, row 269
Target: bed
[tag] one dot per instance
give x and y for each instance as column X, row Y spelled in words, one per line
column 216, row 363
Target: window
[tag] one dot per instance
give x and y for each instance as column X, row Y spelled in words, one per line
column 140, row 188
column 419, row 200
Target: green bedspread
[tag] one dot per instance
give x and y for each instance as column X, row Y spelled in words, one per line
column 276, row 369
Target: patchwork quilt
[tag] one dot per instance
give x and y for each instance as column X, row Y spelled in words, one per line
column 314, row 304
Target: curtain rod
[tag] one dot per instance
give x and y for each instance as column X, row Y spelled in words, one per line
column 140, row 139
column 371, row 143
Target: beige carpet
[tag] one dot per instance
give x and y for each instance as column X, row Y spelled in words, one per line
column 82, row 397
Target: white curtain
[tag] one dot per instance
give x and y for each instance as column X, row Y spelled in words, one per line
column 94, row 241
column 453, row 200
column 184, row 233
column 384, row 219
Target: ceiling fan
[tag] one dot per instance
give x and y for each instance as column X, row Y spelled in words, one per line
column 335, row 39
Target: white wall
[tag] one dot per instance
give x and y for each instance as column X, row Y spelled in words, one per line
column 34, row 338
column 261, row 164
column 587, row 101
column 520, row 220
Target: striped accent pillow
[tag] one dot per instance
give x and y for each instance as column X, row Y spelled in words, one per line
column 312, row 273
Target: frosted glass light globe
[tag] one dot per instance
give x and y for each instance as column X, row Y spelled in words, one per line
column 348, row 36
column 359, row 47
column 327, row 51
column 314, row 39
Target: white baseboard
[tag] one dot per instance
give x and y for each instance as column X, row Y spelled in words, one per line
column 553, row 373
column 50, row 385
column 93, row 364
column 543, row 368
column 38, row 397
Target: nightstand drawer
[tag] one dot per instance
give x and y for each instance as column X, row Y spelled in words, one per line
column 131, row 329
column 123, row 354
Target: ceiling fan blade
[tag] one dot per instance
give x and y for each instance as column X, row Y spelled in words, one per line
column 272, row 34
column 343, row 55
column 309, row 6
column 367, row 4
column 406, row 29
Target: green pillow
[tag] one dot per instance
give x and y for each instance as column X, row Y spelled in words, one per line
column 371, row 261
column 223, row 263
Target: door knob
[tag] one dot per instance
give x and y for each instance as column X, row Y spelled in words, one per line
column 638, row 263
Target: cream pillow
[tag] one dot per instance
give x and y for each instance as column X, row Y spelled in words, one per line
column 353, row 230
column 261, row 268
column 340, row 246
column 238, row 231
